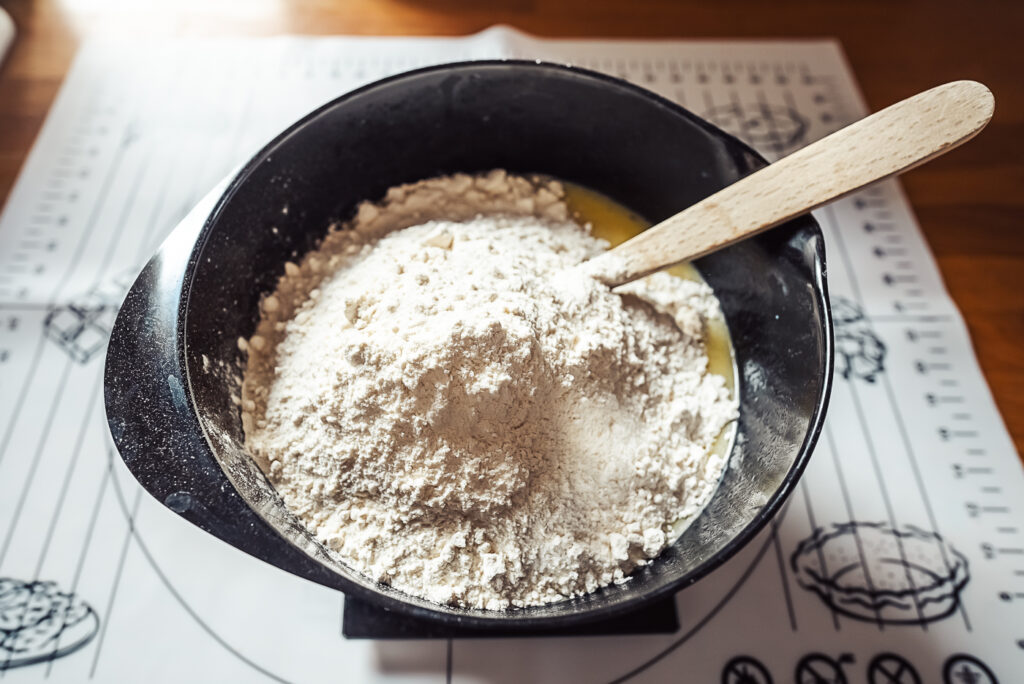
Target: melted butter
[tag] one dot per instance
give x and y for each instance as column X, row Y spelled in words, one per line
column 613, row 222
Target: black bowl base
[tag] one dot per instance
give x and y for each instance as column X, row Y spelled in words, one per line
column 362, row 620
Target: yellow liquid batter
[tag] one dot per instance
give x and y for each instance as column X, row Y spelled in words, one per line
column 615, row 223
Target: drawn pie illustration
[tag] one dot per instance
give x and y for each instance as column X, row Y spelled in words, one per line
column 859, row 352
column 874, row 572
column 761, row 125
column 40, row 622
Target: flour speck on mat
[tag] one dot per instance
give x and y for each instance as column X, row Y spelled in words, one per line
column 456, row 412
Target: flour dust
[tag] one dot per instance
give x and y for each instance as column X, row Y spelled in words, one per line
column 456, row 411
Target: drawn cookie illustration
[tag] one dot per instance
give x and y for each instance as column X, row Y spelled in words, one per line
column 873, row 572
column 745, row 670
column 962, row 668
column 892, row 668
column 761, row 125
column 818, row 668
column 39, row 622
column 82, row 327
column 859, row 352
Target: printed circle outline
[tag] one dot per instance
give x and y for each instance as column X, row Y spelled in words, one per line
column 757, row 665
column 951, row 661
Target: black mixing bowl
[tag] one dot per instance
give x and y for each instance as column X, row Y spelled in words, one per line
column 169, row 405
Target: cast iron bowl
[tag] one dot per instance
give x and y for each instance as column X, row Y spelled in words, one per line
column 170, row 410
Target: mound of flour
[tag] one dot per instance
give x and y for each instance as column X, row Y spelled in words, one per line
column 455, row 412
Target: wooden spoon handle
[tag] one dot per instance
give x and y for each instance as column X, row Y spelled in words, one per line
column 889, row 142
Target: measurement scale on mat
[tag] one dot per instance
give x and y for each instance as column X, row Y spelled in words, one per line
column 907, row 304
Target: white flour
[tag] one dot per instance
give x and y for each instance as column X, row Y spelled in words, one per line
column 456, row 413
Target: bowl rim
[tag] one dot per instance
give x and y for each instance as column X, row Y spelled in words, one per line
column 518, row 618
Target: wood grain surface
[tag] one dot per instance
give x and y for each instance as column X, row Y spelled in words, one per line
column 970, row 203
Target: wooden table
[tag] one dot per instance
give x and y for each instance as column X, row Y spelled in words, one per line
column 970, row 203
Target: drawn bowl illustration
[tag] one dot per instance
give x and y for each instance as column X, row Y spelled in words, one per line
column 873, row 572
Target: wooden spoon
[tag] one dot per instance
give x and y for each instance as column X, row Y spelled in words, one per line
column 884, row 144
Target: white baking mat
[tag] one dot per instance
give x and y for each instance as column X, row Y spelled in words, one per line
column 915, row 575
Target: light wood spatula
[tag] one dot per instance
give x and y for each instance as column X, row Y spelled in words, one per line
column 884, row 144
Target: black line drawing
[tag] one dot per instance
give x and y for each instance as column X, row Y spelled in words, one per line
column 859, row 351
column 136, row 536
column 712, row 613
column 818, row 668
column 890, row 668
column 777, row 128
column 961, row 668
column 873, row 572
column 39, row 622
column 82, row 327
column 745, row 670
